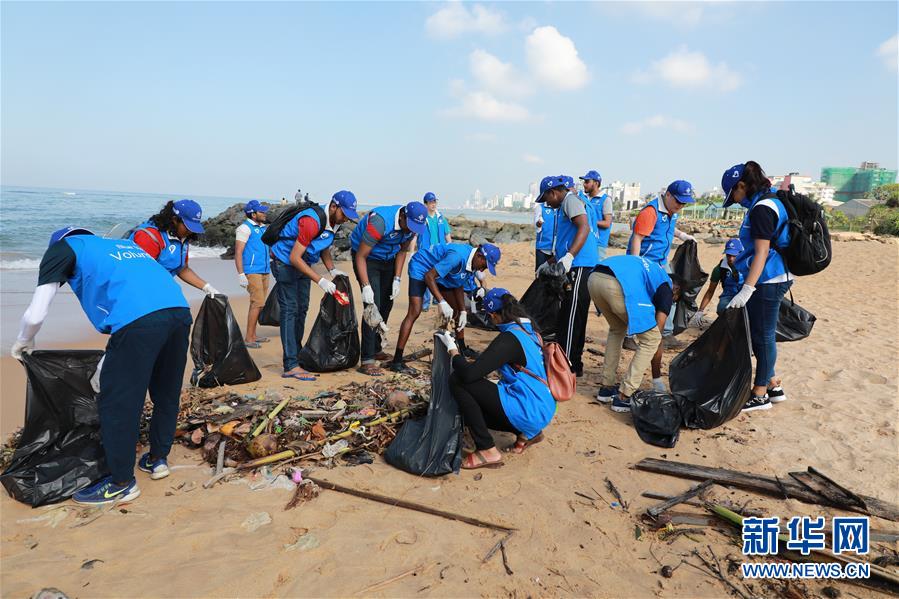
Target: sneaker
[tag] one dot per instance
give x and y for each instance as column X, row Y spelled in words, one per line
column 607, row 394
column 621, row 405
column 671, row 342
column 630, row 343
column 757, row 403
column 776, row 394
column 158, row 468
column 578, row 372
column 401, row 368
column 106, row 492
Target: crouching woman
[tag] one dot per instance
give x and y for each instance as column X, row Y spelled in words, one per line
column 521, row 402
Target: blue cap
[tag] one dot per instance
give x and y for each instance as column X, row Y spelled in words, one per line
column 429, row 197
column 682, row 191
column 492, row 253
column 729, row 180
column 190, row 214
column 569, row 181
column 592, row 176
column 346, row 200
column 61, row 234
column 417, row 217
column 254, row 206
column 548, row 183
column 733, row 247
column 493, row 300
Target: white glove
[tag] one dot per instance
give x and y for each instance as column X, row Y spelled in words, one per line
column 95, row 380
column 335, row 272
column 688, row 237
column 395, row 291
column 21, row 347
column 210, row 290
column 566, row 261
column 327, row 286
column 480, row 293
column 446, row 309
column 480, row 275
column 696, row 321
column 463, row 320
column 448, row 341
column 742, row 297
column 368, row 295
column 242, row 280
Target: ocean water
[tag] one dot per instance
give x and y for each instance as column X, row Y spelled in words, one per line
column 28, row 215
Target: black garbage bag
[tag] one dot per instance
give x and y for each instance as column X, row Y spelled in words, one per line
column 270, row 315
column 477, row 317
column 686, row 271
column 657, row 417
column 711, row 379
column 543, row 300
column 432, row 446
column 794, row 322
column 217, row 347
column 59, row 452
column 333, row 343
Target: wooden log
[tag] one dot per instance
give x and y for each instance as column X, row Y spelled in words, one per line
column 761, row 484
column 690, row 493
column 652, row 495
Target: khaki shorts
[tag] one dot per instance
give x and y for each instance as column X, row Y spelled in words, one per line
column 258, row 289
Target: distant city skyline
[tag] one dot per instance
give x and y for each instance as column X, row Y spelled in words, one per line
column 258, row 99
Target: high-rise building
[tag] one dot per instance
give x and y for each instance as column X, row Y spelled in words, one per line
column 630, row 198
column 817, row 190
column 534, row 188
column 852, row 183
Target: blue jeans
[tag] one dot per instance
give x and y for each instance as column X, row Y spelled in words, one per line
column 668, row 329
column 293, row 301
column 147, row 355
column 380, row 277
column 763, row 309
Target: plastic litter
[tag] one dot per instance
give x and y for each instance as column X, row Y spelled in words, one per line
column 543, row 299
column 657, row 417
column 304, row 543
column 256, row 521
column 794, row 322
column 686, row 271
column 333, row 343
column 270, row 315
column 217, row 347
column 331, row 450
column 59, row 451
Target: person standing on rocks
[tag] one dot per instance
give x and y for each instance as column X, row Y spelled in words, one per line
column 438, row 234
column 252, row 263
column 575, row 247
column 304, row 241
column 379, row 245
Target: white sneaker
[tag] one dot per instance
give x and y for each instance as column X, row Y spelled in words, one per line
column 776, row 394
column 659, row 387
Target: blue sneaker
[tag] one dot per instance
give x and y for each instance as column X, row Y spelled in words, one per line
column 158, row 468
column 621, row 405
column 607, row 394
column 106, row 492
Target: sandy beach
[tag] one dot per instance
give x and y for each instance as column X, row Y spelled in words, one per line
column 180, row 540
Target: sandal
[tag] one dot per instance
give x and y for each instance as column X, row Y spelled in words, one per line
column 262, row 339
column 521, row 443
column 469, row 464
column 370, row 370
column 300, row 376
column 252, row 344
column 401, row 368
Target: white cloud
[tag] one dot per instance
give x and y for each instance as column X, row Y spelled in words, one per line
column 683, row 68
column 484, row 106
column 889, row 52
column 530, row 158
column 553, row 59
column 456, row 19
column 657, row 121
column 498, row 77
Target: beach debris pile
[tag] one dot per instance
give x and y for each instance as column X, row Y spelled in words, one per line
column 245, row 431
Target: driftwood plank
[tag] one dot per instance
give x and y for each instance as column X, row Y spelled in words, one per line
column 670, row 503
column 762, row 484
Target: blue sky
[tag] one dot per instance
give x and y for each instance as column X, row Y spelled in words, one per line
column 394, row 99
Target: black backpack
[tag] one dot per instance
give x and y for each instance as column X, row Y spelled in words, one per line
column 272, row 233
column 809, row 250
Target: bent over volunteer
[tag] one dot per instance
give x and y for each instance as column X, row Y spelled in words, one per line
column 127, row 295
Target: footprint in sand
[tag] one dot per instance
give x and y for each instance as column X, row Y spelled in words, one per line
column 873, row 378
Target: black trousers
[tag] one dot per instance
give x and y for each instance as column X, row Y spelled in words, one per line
column 147, row 355
column 481, row 410
column 571, row 327
column 380, row 277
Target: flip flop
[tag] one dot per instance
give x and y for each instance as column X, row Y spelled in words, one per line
column 252, row 344
column 370, row 370
column 482, row 462
column 300, row 376
column 520, row 446
column 262, row 339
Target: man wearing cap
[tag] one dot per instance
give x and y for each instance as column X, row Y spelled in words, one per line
column 444, row 270
column 602, row 207
column 127, row 295
column 379, row 246
column 166, row 236
column 574, row 246
column 304, row 241
column 438, row 234
column 252, row 263
column 545, row 222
